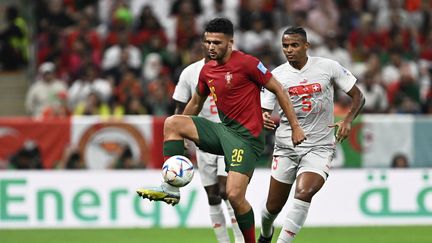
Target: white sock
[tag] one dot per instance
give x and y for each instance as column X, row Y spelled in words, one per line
column 238, row 236
column 167, row 187
column 294, row 220
column 267, row 220
column 218, row 223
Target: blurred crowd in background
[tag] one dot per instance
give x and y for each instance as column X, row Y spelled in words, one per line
column 117, row 57
column 124, row 57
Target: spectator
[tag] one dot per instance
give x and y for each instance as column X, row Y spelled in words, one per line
column 159, row 92
column 72, row 159
column 425, row 80
column 80, row 55
column 187, row 25
column 400, row 161
column 404, row 95
column 324, row 17
column 13, row 41
column 374, row 93
column 128, row 87
column 88, row 82
column 27, row 157
column 125, row 159
column 136, row 106
column 331, row 49
column 114, row 56
column 148, row 26
column 93, row 105
column 256, row 40
column 425, row 51
column 152, row 68
column 46, row 93
column 255, row 9
column 89, row 36
column 363, row 40
column 386, row 14
column 52, row 15
column 350, row 17
column 157, row 45
column 221, row 8
column 283, row 15
column 392, row 71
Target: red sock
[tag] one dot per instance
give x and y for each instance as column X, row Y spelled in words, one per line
column 249, row 234
column 246, row 224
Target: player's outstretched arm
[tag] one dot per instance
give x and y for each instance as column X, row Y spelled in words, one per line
column 284, row 100
column 344, row 126
column 195, row 105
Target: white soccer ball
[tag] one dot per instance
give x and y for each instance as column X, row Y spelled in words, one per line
column 178, row 171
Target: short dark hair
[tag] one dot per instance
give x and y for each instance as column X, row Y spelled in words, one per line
column 220, row 25
column 296, row 30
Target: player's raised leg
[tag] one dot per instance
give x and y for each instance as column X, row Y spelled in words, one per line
column 176, row 129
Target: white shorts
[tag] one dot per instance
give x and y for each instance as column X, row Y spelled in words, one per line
column 210, row 167
column 294, row 161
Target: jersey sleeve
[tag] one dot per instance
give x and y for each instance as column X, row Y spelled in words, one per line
column 202, row 89
column 257, row 71
column 268, row 99
column 343, row 77
column 182, row 92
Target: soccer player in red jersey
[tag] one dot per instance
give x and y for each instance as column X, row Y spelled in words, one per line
column 234, row 80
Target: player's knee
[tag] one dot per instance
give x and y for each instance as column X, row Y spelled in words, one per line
column 305, row 194
column 172, row 124
column 235, row 197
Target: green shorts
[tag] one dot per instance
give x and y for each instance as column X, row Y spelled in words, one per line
column 241, row 151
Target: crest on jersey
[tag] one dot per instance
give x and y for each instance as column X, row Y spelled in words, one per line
column 228, row 78
column 262, row 68
column 304, row 89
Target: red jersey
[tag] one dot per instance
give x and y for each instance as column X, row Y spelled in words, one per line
column 235, row 87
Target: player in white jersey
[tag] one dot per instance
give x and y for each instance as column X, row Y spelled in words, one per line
column 211, row 167
column 310, row 83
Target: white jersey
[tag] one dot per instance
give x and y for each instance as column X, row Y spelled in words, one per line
column 311, row 91
column 186, row 86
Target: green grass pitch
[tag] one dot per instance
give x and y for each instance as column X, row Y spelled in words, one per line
column 397, row 234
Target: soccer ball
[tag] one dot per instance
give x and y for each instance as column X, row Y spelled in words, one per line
column 177, row 171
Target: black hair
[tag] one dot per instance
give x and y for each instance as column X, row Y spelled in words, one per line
column 220, row 25
column 296, row 31
column 397, row 157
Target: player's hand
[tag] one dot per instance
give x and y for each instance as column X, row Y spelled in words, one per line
column 343, row 129
column 298, row 135
column 268, row 122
